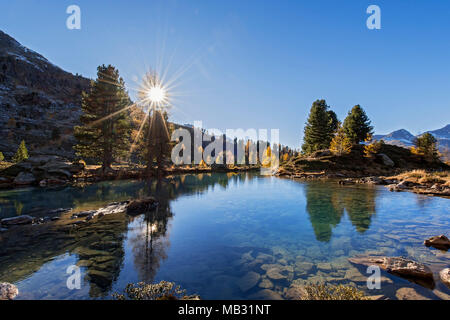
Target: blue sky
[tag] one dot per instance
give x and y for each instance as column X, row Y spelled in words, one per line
column 259, row 64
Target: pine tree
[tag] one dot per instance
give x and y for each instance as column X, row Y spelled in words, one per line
column 340, row 144
column 157, row 141
column 21, row 154
column 320, row 127
column 425, row 145
column 105, row 132
column 357, row 125
column 2, row 157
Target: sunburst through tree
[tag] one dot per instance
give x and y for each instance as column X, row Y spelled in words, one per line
column 154, row 99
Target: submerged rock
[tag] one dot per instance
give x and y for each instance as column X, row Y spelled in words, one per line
column 140, row 206
column 266, row 294
column 439, row 242
column 266, row 284
column 248, row 281
column 295, row 292
column 402, row 267
column 409, row 294
column 302, row 267
column 445, row 276
column 8, row 291
column 17, row 220
column 275, row 274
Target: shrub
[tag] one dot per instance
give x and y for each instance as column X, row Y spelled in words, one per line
column 21, row 154
column 340, row 144
column 332, row 292
column 372, row 148
column 2, row 157
column 158, row 291
column 425, row 145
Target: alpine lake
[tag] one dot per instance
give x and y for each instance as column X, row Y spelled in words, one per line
column 221, row 236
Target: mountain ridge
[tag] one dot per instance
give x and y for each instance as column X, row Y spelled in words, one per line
column 404, row 138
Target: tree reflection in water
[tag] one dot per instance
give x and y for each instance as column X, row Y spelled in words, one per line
column 326, row 206
column 149, row 239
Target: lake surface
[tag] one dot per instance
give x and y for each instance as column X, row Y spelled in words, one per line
column 222, row 236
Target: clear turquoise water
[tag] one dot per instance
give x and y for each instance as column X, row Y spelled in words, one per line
column 213, row 232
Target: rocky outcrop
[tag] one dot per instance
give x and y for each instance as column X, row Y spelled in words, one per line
column 44, row 170
column 131, row 207
column 40, row 102
column 399, row 266
column 8, row 291
column 115, row 207
column 20, row 220
column 24, row 178
column 386, row 160
column 445, row 276
column 439, row 242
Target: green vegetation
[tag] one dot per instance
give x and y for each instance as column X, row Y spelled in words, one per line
column 332, row 292
column 425, row 145
column 323, row 129
column 21, row 154
column 104, row 135
column 158, row 291
column 2, row 157
column 319, row 128
column 357, row 125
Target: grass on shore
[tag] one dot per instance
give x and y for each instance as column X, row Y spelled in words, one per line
column 425, row 177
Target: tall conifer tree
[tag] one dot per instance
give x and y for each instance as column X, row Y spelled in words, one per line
column 319, row 128
column 357, row 125
column 104, row 135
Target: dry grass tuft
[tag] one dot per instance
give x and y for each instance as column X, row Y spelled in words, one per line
column 425, row 177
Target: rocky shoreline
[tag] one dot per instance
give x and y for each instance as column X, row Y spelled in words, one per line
column 393, row 184
column 130, row 207
column 47, row 171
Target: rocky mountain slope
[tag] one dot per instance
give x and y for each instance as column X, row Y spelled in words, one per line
column 404, row 138
column 39, row 102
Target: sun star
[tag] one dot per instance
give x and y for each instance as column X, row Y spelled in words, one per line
column 156, row 94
